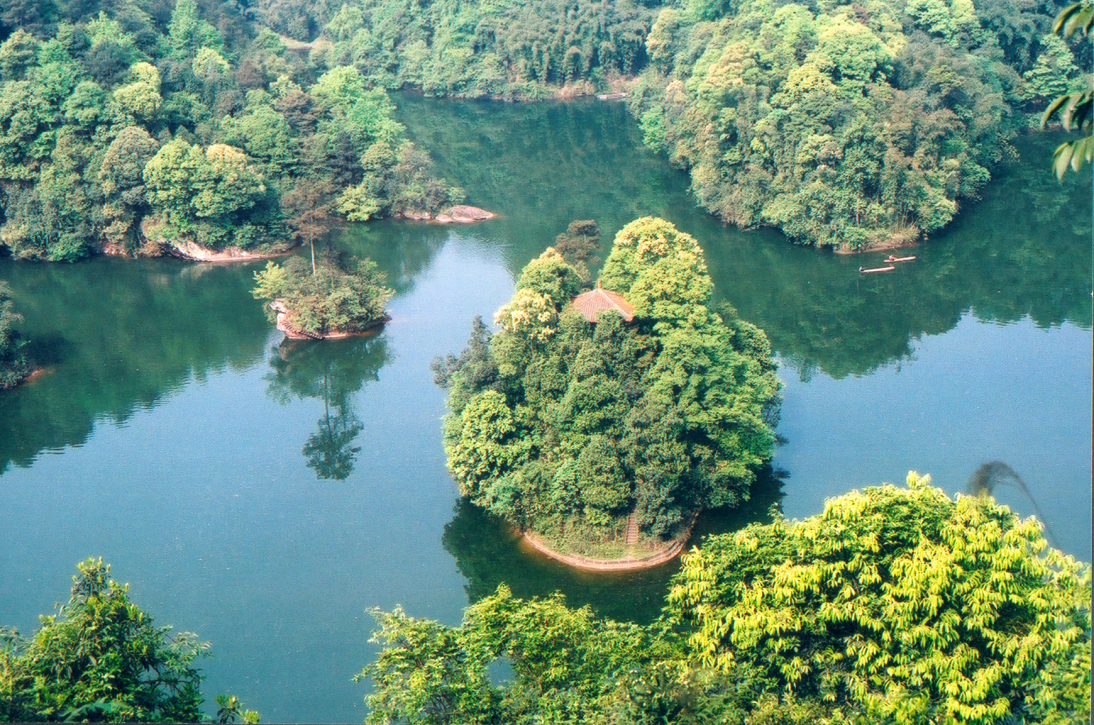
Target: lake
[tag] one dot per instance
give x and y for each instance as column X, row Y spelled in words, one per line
column 267, row 495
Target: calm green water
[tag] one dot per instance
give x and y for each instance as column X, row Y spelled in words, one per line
column 266, row 495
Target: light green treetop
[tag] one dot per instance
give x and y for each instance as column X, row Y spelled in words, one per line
column 902, row 604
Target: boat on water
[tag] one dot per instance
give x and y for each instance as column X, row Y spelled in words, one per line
column 863, row 270
column 890, row 259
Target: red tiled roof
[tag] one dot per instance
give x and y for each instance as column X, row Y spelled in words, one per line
column 595, row 301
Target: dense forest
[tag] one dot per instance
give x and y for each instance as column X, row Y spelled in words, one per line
column 139, row 122
column 849, row 125
column 895, row 605
column 569, row 427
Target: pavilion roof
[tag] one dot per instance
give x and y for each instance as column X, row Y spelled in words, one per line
column 598, row 300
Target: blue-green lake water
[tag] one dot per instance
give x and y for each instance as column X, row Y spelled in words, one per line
column 172, row 434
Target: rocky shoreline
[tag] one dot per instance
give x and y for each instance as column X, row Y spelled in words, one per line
column 461, row 214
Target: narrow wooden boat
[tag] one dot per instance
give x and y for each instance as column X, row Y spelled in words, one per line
column 863, row 270
column 890, row 259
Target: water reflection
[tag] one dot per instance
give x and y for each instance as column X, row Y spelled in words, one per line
column 490, row 552
column 402, row 250
column 115, row 336
column 331, row 371
column 542, row 165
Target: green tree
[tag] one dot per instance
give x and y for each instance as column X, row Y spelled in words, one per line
column 563, row 661
column 894, row 605
column 100, row 658
column 567, row 427
column 337, row 297
column 210, row 194
column 900, row 604
column 121, row 177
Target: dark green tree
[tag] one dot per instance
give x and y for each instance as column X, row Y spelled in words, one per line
column 13, row 360
column 570, row 427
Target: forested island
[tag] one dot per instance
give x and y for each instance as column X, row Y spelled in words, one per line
column 603, row 422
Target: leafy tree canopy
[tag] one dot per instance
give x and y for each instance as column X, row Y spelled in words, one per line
column 127, row 123
column 100, row 658
column 895, row 605
column 569, row 428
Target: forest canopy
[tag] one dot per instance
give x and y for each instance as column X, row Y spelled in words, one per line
column 186, row 121
column 852, row 125
column 895, row 605
column 570, row 428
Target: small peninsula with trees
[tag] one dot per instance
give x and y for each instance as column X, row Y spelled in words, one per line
column 600, row 425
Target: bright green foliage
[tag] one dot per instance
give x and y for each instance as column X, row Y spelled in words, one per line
column 893, row 606
column 562, row 661
column 13, row 361
column 228, row 113
column 209, row 194
column 567, row 427
column 335, row 297
column 900, row 604
column 100, row 658
column 232, row 710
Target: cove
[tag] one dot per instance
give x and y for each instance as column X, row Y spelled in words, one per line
column 267, row 495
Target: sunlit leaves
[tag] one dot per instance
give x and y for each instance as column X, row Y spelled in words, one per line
column 901, row 602
column 100, row 657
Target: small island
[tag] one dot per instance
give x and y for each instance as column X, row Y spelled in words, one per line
column 601, row 421
column 328, row 299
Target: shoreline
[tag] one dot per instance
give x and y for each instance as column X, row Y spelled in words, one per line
column 661, row 556
column 283, row 323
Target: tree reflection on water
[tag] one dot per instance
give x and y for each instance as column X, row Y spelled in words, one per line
column 331, row 371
